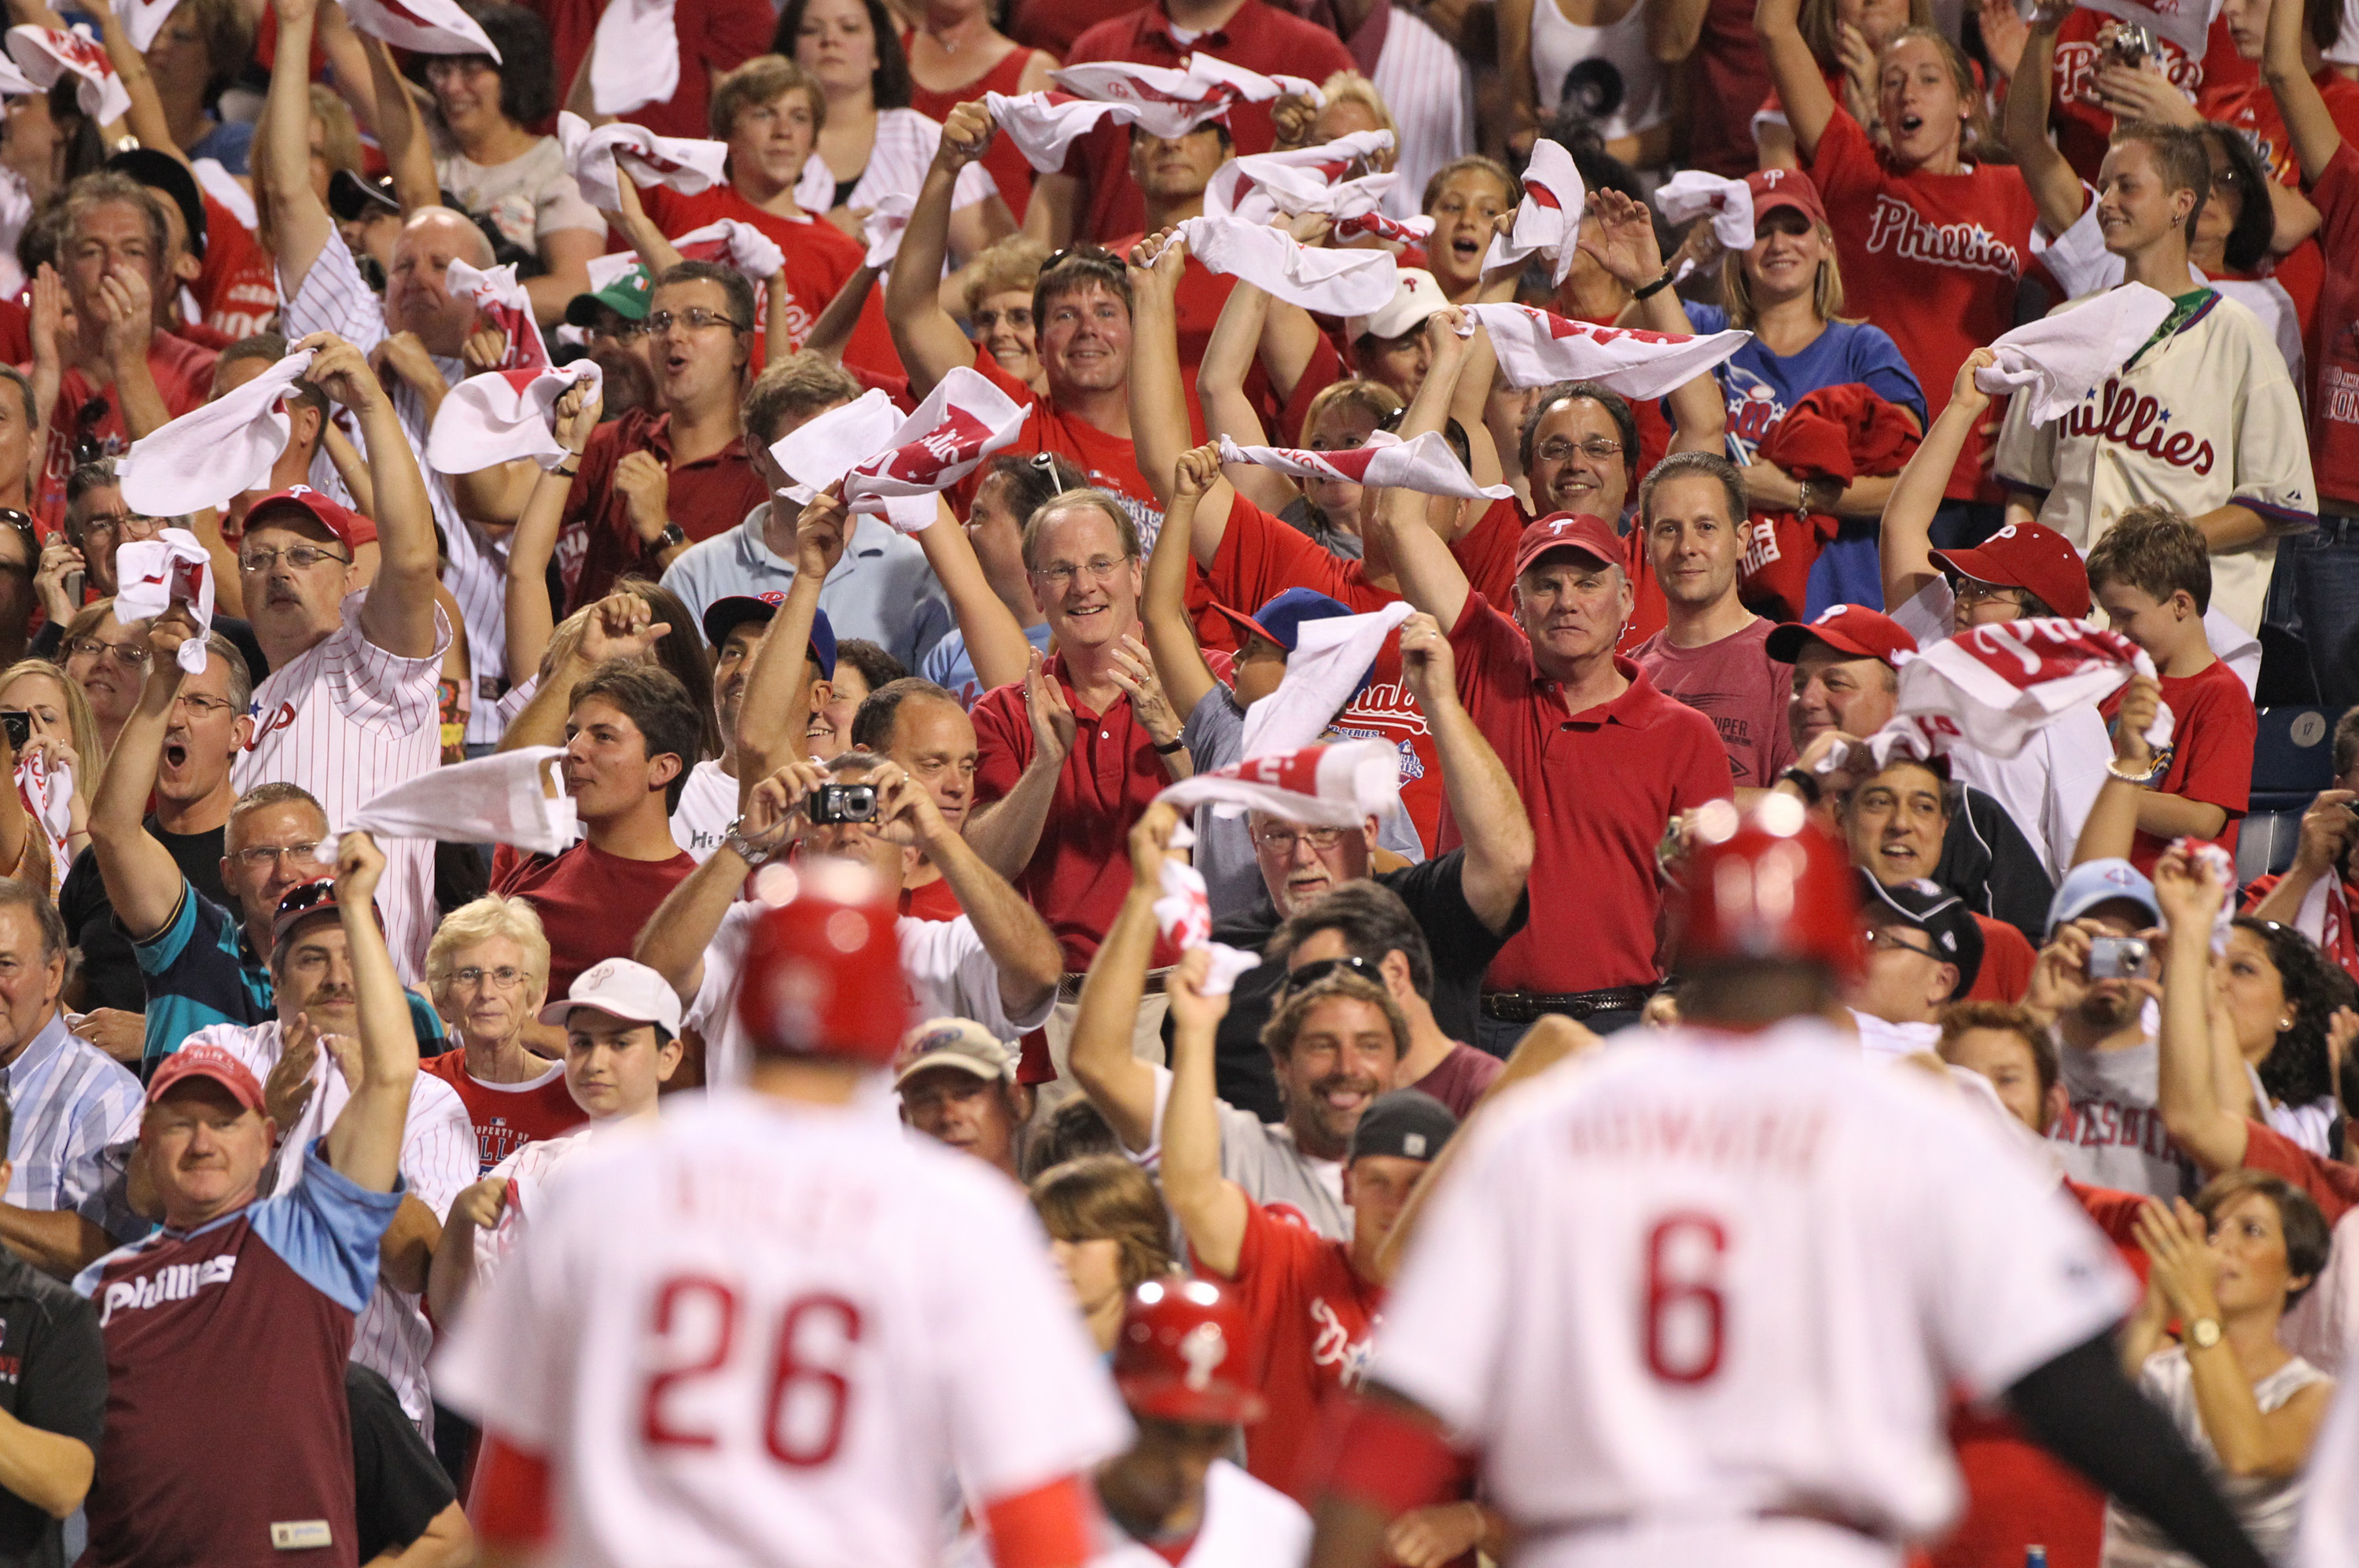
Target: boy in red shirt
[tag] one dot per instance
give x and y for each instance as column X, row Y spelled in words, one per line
column 2152, row 575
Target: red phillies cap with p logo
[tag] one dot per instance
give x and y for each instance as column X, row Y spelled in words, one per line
column 338, row 520
column 1775, row 188
column 1569, row 530
column 212, row 1061
column 1853, row 629
column 2026, row 556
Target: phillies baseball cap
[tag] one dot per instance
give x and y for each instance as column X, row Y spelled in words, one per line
column 206, row 1061
column 1407, row 1124
column 1569, row 530
column 726, row 615
column 959, row 1043
column 1853, row 629
column 2095, row 882
column 1950, row 927
column 300, row 902
column 2026, row 556
column 1775, row 188
column 622, row 989
column 1416, row 296
column 1281, row 619
column 347, row 527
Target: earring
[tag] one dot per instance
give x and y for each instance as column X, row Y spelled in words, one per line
column 2284, row 1024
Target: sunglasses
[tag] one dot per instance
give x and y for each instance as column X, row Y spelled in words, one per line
column 1318, row 969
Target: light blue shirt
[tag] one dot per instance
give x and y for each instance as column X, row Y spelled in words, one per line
column 882, row 589
column 75, row 1111
column 950, row 667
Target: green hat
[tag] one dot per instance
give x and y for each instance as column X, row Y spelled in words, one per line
column 626, row 296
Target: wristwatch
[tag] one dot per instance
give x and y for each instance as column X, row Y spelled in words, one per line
column 1803, row 779
column 733, row 840
column 672, row 537
column 2203, row 1332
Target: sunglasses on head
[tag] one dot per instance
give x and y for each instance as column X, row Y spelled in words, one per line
column 1318, row 969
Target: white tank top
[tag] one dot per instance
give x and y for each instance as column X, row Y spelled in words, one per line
column 1616, row 68
column 2267, row 1507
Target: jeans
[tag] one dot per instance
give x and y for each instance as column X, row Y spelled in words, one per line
column 1498, row 1038
column 2323, row 570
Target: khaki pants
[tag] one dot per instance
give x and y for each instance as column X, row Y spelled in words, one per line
column 1145, row 1035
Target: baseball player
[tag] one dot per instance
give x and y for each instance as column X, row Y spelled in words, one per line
column 767, row 1327
column 1708, row 1301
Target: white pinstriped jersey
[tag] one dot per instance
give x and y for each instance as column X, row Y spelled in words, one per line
column 1424, row 82
column 346, row 719
column 333, row 299
column 758, row 1331
column 897, row 160
column 437, row 1162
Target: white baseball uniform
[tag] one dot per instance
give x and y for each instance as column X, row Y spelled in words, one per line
column 1677, row 1296
column 528, row 1171
column 345, row 720
column 764, row 1331
column 2203, row 418
column 1247, row 1523
column 437, row 1162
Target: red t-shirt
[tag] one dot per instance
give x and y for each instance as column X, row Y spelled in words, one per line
column 2212, row 733
column 591, row 903
column 184, row 375
column 239, row 285
column 2331, row 1185
column 2335, row 345
column 2251, row 108
column 2008, row 960
column 820, row 256
column 1111, row 461
column 1735, row 684
column 2083, row 127
column 1313, row 1317
column 508, row 1116
column 1458, row 1079
column 1600, row 787
column 715, row 36
column 597, row 544
column 1009, row 167
column 1259, row 36
column 1931, row 258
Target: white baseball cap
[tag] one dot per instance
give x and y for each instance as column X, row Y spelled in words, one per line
column 1416, row 296
column 632, row 992
column 962, row 1043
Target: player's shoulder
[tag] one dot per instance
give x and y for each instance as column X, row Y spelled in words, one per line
column 1266, row 1513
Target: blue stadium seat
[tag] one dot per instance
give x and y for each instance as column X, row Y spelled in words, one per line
column 2292, row 759
column 2266, row 843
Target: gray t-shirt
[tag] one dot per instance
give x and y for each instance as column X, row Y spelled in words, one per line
column 2114, row 1135
column 1261, row 1157
column 528, row 197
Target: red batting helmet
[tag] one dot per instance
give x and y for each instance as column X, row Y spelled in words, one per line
column 1182, row 1354
column 1766, row 885
column 823, row 971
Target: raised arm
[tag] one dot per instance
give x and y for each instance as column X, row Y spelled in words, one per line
column 1021, row 946
column 1482, row 798
column 1118, row 1083
column 1163, row 608
column 146, row 118
column 401, row 132
column 299, row 222
column 1906, row 546
column 930, row 342
column 397, row 612
column 1623, row 244
column 2189, row 1094
column 1794, row 71
column 2055, row 188
column 1158, row 397
column 995, row 643
column 1211, row 1210
column 365, row 1143
column 620, row 626
column 142, row 880
column 770, row 730
column 2309, row 124
column 2110, row 831
column 530, row 620
column 1221, row 393
column 833, row 332
column 1430, row 577
column 673, row 942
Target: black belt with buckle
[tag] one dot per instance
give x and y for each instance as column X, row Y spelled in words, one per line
column 1525, row 1008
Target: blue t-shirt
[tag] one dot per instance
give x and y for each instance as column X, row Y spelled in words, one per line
column 231, row 142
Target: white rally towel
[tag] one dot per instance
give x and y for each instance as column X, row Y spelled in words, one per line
column 635, row 56
column 1251, row 86
column 502, row 306
column 1548, row 220
column 741, row 245
column 2187, row 25
column 1323, row 786
column 44, row 54
column 47, row 796
column 1184, row 913
column 143, row 20
column 1425, row 465
column 1259, row 186
column 1162, row 101
column 2061, row 357
column 215, row 450
column 15, row 84
column 598, row 157
column 818, row 451
column 1537, row 346
column 883, row 228
column 964, row 420
column 428, row 26
column 1329, row 660
column 1692, row 192
column 1044, row 125
column 173, row 567
column 1329, row 282
column 1400, row 231
column 498, row 799
column 506, row 415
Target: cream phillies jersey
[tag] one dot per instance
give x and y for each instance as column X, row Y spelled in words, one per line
column 760, row 1331
column 2203, row 418
column 1727, row 1275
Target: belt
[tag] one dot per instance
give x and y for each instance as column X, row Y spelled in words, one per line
column 1068, row 989
column 1806, row 1513
column 1525, row 1008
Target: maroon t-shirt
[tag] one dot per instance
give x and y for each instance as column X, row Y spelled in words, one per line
column 591, row 903
column 1460, row 1078
column 596, row 543
column 2212, row 733
column 1735, row 684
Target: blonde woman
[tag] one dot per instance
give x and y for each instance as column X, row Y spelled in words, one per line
column 108, row 662
column 1108, row 1231
column 61, row 729
column 487, row 971
column 998, row 299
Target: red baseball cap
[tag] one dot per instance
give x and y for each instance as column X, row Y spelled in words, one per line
column 1569, row 530
column 202, row 1061
column 346, row 525
column 1775, row 188
column 2026, row 556
column 1853, row 629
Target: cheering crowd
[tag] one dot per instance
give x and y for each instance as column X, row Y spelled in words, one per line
column 1279, row 532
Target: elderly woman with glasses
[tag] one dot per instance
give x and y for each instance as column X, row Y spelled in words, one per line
column 487, row 970
column 62, row 732
column 108, row 662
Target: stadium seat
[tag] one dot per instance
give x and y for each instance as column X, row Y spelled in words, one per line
column 2265, row 843
column 2292, row 759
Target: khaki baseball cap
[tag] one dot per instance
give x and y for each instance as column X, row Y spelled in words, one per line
column 962, row 1043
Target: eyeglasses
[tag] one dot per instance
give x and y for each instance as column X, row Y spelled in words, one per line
column 506, row 977
column 1597, row 448
column 126, row 525
column 696, row 318
column 623, row 330
column 299, row 557
column 1018, row 316
column 1970, row 592
column 1282, row 841
column 1098, row 569
column 203, row 707
column 265, row 857
column 1889, row 941
column 1318, row 969
column 126, row 655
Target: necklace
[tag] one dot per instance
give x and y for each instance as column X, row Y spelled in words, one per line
column 969, row 26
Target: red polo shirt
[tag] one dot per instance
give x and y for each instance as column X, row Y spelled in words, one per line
column 1259, row 36
column 1080, row 873
column 1600, row 787
column 596, row 543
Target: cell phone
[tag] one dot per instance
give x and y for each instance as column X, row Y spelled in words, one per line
column 2119, row 958
column 19, row 725
column 74, row 589
column 840, row 803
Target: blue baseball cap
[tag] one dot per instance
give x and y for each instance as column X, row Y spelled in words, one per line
column 1281, row 619
column 2096, row 882
column 726, row 615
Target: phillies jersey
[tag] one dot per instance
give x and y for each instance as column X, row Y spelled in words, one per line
column 2203, row 415
column 1727, row 1275
column 762, row 1331
column 1245, row 1524
column 508, row 1116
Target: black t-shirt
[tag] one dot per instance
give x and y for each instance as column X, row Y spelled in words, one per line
column 109, row 972
column 398, row 1485
column 1462, row 945
column 53, row 1377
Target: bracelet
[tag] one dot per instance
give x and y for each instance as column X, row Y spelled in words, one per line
column 1651, row 289
column 568, row 473
column 2154, row 770
column 1178, row 745
column 1804, row 781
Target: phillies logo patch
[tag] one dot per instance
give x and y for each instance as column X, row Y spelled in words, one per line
column 1203, row 1348
column 262, row 726
column 2123, row 416
column 959, row 439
